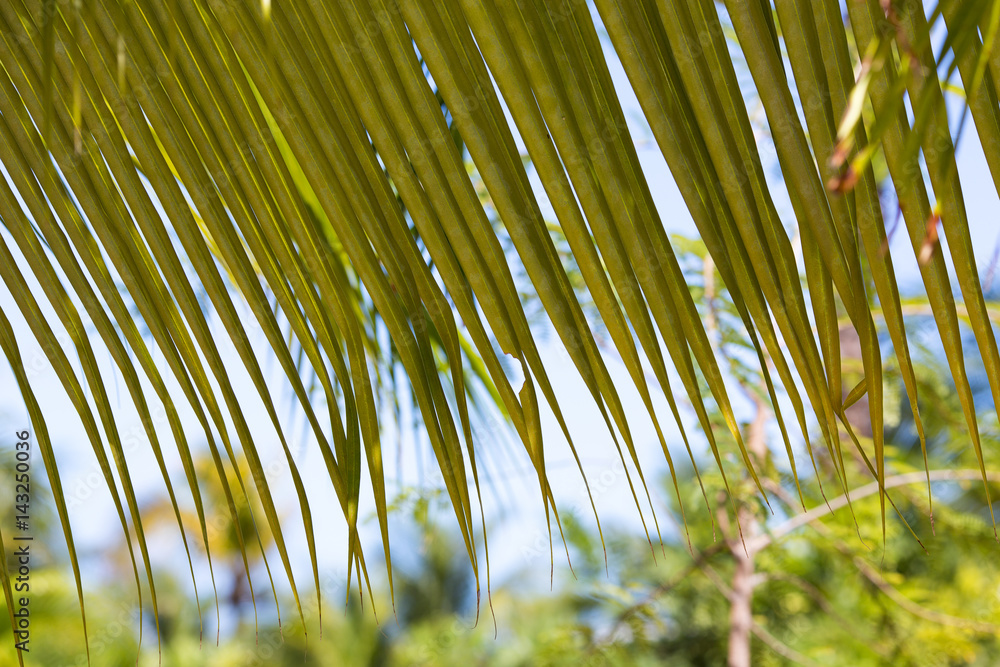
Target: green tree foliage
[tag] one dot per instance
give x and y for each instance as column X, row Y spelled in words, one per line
column 826, row 589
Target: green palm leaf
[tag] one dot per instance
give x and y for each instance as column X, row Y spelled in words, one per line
column 167, row 161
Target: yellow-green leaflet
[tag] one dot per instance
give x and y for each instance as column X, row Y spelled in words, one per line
column 40, row 434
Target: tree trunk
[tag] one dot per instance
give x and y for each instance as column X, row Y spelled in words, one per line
column 853, row 371
column 741, row 598
column 740, row 611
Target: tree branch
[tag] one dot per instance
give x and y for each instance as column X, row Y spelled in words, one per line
column 780, row 647
column 760, row 541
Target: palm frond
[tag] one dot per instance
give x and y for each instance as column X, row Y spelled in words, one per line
column 309, row 160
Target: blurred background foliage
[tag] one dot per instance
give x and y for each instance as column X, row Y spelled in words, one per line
column 825, row 592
